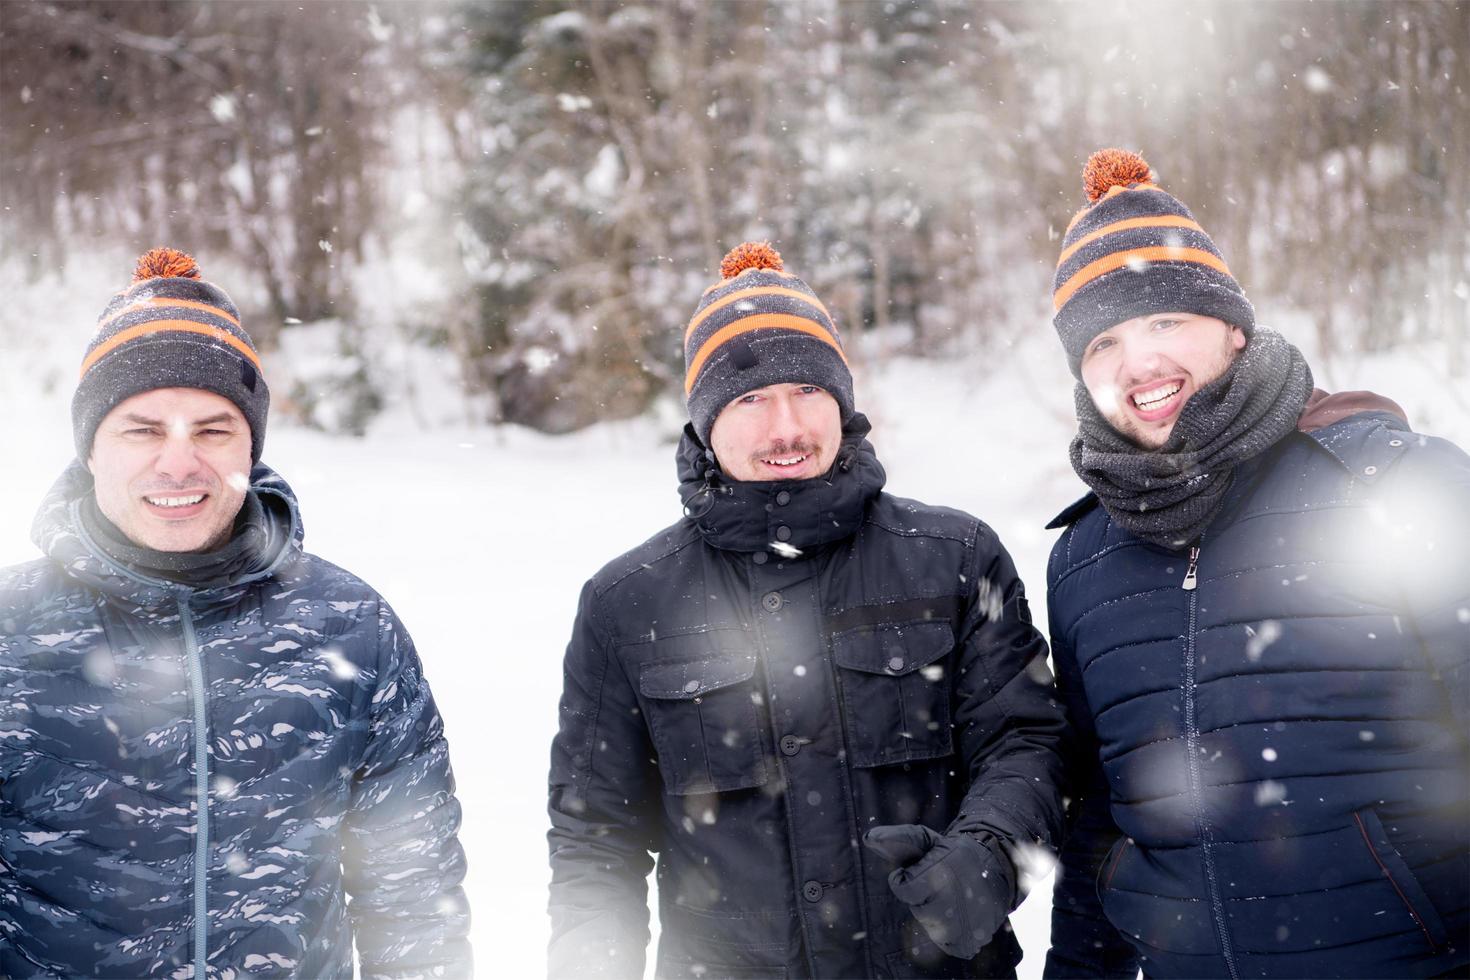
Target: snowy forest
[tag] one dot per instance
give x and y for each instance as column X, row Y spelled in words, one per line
column 467, row 236
column 567, row 175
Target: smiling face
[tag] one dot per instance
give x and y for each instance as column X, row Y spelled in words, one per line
column 171, row 468
column 779, row 432
column 1141, row 372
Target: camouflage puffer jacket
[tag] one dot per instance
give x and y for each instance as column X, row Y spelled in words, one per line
column 291, row 702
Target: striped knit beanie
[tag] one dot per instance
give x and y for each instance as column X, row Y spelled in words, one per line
column 759, row 325
column 168, row 329
column 1135, row 250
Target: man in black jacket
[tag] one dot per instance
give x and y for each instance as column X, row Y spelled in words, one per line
column 1260, row 619
column 802, row 666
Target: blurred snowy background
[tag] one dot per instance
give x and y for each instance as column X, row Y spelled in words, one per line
column 468, row 236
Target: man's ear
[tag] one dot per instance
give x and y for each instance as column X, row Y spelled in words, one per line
column 1237, row 338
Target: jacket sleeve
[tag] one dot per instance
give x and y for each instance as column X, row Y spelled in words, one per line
column 603, row 803
column 1009, row 724
column 1424, row 529
column 1083, row 942
column 401, row 859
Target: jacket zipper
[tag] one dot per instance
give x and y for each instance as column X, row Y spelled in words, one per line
column 1191, row 742
column 201, row 790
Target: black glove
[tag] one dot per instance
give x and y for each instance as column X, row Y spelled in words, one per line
column 956, row 886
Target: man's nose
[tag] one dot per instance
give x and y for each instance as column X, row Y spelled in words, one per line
column 177, row 458
column 1140, row 361
column 785, row 420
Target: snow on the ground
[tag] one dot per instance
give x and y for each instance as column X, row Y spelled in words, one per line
column 482, row 538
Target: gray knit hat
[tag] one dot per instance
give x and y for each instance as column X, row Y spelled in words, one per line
column 759, row 325
column 168, row 329
column 1135, row 250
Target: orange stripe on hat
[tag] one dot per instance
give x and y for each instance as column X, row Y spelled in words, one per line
column 1154, row 253
column 1122, row 188
column 740, row 294
column 761, row 321
column 168, row 326
column 1151, row 221
column 165, row 301
column 755, row 268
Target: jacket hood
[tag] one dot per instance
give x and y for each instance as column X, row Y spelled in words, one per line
column 1324, row 407
column 785, row 517
column 59, row 533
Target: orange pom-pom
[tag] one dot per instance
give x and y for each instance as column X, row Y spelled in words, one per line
column 165, row 263
column 1111, row 168
column 750, row 255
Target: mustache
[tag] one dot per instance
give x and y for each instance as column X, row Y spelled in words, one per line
column 799, row 447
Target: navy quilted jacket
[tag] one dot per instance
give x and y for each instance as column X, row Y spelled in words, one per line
column 749, row 715
column 291, row 701
column 1275, row 728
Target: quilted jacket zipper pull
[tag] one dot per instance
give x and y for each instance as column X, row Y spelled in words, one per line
column 1191, row 574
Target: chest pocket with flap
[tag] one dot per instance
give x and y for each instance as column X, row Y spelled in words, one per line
column 706, row 722
column 895, row 685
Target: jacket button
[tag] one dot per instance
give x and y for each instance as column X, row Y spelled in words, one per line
column 783, row 533
column 895, row 664
column 790, row 745
column 783, row 498
column 759, row 557
column 812, row 891
column 691, row 687
column 772, row 601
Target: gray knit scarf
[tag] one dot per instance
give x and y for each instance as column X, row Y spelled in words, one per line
column 1168, row 496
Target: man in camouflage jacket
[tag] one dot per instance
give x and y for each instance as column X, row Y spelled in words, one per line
column 218, row 753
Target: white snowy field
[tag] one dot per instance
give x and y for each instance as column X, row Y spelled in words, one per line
column 481, row 538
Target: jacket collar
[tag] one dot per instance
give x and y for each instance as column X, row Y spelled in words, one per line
column 1327, row 408
column 780, row 515
column 59, row 533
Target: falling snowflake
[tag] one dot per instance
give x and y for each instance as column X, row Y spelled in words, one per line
column 1257, row 640
column 1269, row 793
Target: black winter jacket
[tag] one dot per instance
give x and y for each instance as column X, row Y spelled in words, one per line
column 1277, row 760
column 752, row 689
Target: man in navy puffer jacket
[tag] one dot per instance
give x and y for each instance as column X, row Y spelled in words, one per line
column 1260, row 619
column 218, row 754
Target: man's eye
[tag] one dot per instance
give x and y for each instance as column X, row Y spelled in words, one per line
column 139, row 432
column 1100, row 345
column 215, row 432
column 808, row 389
column 1165, row 324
